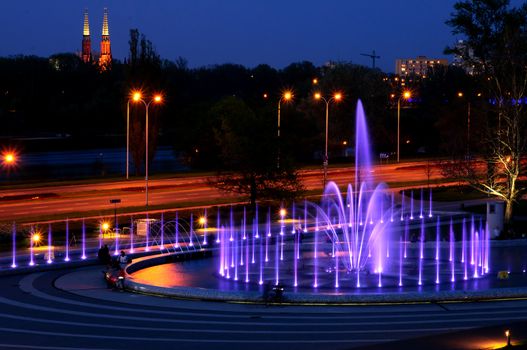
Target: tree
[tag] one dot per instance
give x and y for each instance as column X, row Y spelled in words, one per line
column 497, row 49
column 244, row 140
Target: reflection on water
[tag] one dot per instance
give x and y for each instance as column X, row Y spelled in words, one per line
column 202, row 273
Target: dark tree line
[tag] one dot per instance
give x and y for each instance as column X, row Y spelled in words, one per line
column 224, row 117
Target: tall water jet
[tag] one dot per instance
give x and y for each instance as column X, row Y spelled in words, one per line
column 204, row 222
column 31, row 240
column 191, row 230
column 176, row 229
column 147, row 236
column 421, row 205
column 13, row 240
column 83, row 256
column 131, row 234
column 162, row 243
column 49, row 244
column 116, row 233
column 438, row 234
column 67, row 258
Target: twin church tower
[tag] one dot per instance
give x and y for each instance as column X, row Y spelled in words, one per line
column 105, row 57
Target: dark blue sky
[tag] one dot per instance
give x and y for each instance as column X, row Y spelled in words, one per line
column 248, row 32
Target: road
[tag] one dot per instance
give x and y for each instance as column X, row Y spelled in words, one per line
column 60, row 200
column 74, row 310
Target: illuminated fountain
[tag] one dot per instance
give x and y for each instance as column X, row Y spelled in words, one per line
column 363, row 238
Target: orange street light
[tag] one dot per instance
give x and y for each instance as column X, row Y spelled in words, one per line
column 286, row 96
column 136, row 96
column 460, row 94
column 36, row 238
column 337, row 97
column 406, row 95
column 202, row 220
column 315, row 81
column 283, row 212
column 105, row 226
column 9, row 158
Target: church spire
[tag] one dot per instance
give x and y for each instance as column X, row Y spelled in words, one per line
column 86, row 41
column 105, row 60
column 105, row 31
column 86, row 29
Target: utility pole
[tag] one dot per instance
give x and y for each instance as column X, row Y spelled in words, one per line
column 373, row 57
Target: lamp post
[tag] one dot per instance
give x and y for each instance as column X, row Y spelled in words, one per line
column 156, row 99
column 460, row 95
column 136, row 96
column 336, row 97
column 286, row 96
column 406, row 95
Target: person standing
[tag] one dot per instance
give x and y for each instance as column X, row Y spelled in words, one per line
column 123, row 260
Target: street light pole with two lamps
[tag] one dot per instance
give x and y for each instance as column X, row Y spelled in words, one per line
column 336, row 97
column 156, row 99
column 461, row 95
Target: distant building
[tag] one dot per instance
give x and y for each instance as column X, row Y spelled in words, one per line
column 105, row 57
column 419, row 66
column 464, row 58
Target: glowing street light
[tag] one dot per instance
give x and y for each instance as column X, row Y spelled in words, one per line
column 9, row 158
column 405, row 95
column 157, row 98
column 508, row 335
column 36, row 238
column 135, row 96
column 105, row 226
column 286, row 97
column 337, row 97
column 283, row 213
column 202, row 220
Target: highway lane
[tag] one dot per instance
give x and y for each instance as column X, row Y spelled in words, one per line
column 74, row 310
column 95, row 198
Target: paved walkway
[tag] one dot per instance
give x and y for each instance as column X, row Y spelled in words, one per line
column 74, row 310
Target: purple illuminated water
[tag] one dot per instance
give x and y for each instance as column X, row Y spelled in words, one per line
column 350, row 240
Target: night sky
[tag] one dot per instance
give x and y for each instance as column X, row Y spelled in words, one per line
column 248, row 32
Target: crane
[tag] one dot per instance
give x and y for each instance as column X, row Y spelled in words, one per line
column 373, row 57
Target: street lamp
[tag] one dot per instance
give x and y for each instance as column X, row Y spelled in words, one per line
column 286, row 96
column 156, row 99
column 135, row 97
column 406, row 95
column 336, row 97
column 460, row 95
column 9, row 158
